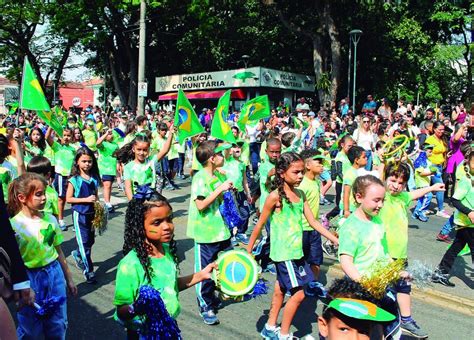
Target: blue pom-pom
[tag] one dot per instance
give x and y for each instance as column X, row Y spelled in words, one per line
column 158, row 324
column 230, row 211
column 49, row 306
column 261, row 288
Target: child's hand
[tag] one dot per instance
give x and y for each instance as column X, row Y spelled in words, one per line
column 25, row 297
column 471, row 216
column 347, row 213
column 438, row 187
column 271, row 172
column 225, row 186
column 72, row 288
column 406, row 276
column 221, row 171
column 205, row 274
column 91, row 199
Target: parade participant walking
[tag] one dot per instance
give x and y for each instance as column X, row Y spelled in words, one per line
column 285, row 207
column 106, row 148
column 39, row 240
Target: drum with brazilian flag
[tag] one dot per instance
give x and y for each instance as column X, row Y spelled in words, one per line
column 237, row 273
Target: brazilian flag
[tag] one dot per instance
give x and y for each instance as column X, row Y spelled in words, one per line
column 254, row 110
column 219, row 128
column 32, row 98
column 185, row 118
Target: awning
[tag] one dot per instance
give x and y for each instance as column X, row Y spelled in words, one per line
column 213, row 94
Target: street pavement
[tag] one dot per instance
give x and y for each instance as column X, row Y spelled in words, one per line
column 90, row 314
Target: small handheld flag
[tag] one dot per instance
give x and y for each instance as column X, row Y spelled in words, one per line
column 254, row 110
column 219, row 128
column 185, row 119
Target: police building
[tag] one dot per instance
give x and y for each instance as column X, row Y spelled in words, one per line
column 208, row 87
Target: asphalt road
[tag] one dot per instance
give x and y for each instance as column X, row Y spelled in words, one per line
column 91, row 313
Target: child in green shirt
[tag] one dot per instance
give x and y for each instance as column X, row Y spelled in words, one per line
column 284, row 207
column 358, row 158
column 205, row 223
column 150, row 259
column 106, row 148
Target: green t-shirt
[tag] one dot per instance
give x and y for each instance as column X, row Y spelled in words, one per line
column 6, row 176
column 349, row 177
column 235, row 171
column 395, row 219
column 90, row 139
column 131, row 276
column 311, row 189
column 49, row 154
column 51, row 206
column 107, row 162
column 31, row 151
column 245, row 154
column 346, row 164
column 376, row 159
column 460, row 171
column 37, row 239
column 286, row 230
column 64, row 157
column 140, row 173
column 295, row 146
column 263, row 171
column 173, row 152
column 206, row 226
column 195, row 165
column 465, row 193
column 422, row 181
column 365, row 241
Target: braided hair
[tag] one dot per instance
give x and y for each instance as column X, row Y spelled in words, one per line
column 135, row 237
column 282, row 165
column 125, row 154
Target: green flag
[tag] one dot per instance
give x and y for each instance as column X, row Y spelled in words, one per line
column 185, row 119
column 13, row 108
column 254, row 110
column 32, row 98
column 219, row 128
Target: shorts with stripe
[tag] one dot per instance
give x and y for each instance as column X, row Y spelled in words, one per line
column 60, row 184
column 293, row 274
column 312, row 249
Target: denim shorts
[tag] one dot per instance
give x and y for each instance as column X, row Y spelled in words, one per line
column 46, row 281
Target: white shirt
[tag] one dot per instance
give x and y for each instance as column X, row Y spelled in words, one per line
column 364, row 140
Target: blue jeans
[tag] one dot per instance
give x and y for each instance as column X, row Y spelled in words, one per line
column 254, row 156
column 423, row 203
column 47, row 281
column 437, row 178
column 368, row 166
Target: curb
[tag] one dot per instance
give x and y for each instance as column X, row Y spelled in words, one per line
column 435, row 297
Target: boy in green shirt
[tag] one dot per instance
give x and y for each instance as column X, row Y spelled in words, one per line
column 205, row 223
column 358, row 159
column 234, row 170
column 310, row 185
column 106, row 148
column 395, row 220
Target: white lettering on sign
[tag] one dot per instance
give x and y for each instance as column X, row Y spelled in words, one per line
column 76, row 101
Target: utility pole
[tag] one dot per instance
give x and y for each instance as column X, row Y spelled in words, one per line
column 141, row 56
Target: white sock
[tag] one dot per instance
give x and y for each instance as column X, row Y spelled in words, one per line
column 108, row 205
column 61, row 221
column 270, row 328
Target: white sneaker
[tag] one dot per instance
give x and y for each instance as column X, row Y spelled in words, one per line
column 443, row 213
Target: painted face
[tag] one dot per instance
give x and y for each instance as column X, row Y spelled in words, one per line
column 37, row 200
column 395, row 185
column 294, row 174
column 158, row 224
column 372, row 201
column 141, row 151
column 85, row 163
column 273, row 152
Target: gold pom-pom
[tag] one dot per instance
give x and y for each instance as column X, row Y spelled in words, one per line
column 382, row 277
column 101, row 217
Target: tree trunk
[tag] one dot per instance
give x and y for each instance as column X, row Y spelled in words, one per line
column 335, row 53
column 318, row 65
column 116, row 78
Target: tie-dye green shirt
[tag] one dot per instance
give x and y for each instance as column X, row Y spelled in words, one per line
column 286, row 230
column 263, row 171
column 465, row 193
column 51, row 205
column 311, row 189
column 349, row 178
column 365, row 241
column 131, row 276
column 64, row 158
column 140, row 173
column 207, row 225
column 346, row 164
column 235, row 171
column 394, row 217
column 37, row 239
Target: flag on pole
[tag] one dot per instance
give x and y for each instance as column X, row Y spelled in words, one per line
column 13, row 107
column 254, row 110
column 185, row 119
column 32, row 98
column 219, row 128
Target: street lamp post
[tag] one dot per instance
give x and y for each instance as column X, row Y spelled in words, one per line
column 355, row 37
column 245, row 59
column 141, row 55
column 349, row 69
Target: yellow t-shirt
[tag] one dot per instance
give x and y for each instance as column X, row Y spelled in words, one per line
column 439, row 151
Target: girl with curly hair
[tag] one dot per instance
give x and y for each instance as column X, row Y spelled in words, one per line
column 285, row 206
column 150, row 259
